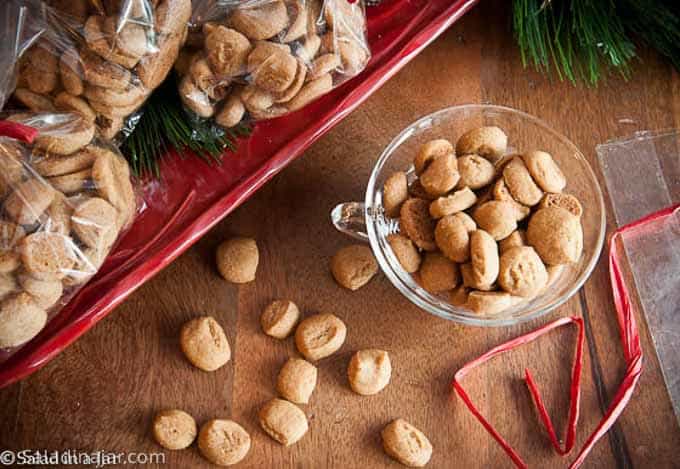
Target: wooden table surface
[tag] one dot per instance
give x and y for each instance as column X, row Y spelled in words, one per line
column 102, row 392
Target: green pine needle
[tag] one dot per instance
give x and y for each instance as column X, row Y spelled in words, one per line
column 578, row 39
column 163, row 125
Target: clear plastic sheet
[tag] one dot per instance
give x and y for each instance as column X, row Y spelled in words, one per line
column 643, row 176
column 265, row 58
column 67, row 197
column 101, row 59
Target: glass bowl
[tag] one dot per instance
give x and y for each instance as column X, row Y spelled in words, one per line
column 366, row 221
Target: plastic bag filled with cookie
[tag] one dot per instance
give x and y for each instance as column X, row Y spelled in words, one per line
column 18, row 31
column 66, row 198
column 262, row 59
column 100, row 58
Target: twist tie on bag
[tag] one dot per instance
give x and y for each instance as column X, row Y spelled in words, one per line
column 630, row 340
column 17, row 131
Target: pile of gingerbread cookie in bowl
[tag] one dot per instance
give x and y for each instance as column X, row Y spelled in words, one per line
column 483, row 228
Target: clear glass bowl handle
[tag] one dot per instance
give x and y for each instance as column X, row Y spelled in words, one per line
column 350, row 218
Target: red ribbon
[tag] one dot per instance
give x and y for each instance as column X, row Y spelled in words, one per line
column 533, row 389
column 17, row 131
column 630, row 340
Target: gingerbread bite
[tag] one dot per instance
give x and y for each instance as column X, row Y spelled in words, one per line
column 452, row 237
column 522, row 272
column 565, row 201
column 279, row 318
column 283, row 421
column 438, row 273
column 520, row 183
column 174, row 429
column 417, row 224
column 483, row 258
column 489, row 142
column 369, row 371
column 496, row 218
column 406, row 444
column 489, row 302
column 454, row 203
column 237, row 260
column 556, row 234
column 353, row 266
column 395, row 193
column 545, row 171
column 296, row 380
column 21, row 319
column 475, row 172
column 440, row 176
column 320, row 336
column 405, row 251
column 431, row 151
column 223, row 442
column 205, row 344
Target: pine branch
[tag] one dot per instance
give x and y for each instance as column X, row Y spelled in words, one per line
column 657, row 23
column 163, row 125
column 578, row 39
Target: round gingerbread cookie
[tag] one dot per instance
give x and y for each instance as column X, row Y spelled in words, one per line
column 20, row 320
column 68, row 135
column 94, row 221
column 57, row 165
column 72, row 182
column 522, row 272
column 417, row 224
column 45, row 293
column 452, row 237
column 29, row 200
column 174, row 429
column 47, row 256
column 223, row 442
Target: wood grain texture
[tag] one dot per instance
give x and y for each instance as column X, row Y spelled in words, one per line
column 101, row 393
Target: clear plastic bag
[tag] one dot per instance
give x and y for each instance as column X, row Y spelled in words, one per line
column 267, row 58
column 67, row 197
column 19, row 30
column 643, row 178
column 101, row 59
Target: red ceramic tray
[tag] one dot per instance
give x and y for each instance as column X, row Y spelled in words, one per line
column 193, row 196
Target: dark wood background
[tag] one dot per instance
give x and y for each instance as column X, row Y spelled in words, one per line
column 101, row 393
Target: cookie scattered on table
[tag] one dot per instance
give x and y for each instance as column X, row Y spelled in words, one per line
column 320, row 336
column 174, row 429
column 283, row 421
column 296, row 380
column 353, row 266
column 369, row 371
column 205, row 344
column 237, row 260
column 223, row 442
column 279, row 318
column 405, row 443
